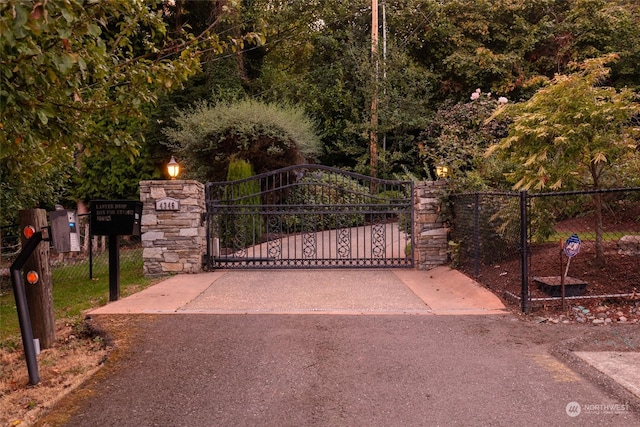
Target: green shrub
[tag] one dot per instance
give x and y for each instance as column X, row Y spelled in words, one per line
column 325, row 193
column 395, row 196
column 243, row 226
column 268, row 136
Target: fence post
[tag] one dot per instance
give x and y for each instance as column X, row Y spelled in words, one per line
column 476, row 234
column 524, row 249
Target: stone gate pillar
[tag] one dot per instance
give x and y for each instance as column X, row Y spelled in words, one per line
column 430, row 234
column 173, row 233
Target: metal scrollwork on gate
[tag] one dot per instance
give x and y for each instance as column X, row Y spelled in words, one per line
column 378, row 240
column 344, row 243
column 309, row 245
column 239, row 237
column 274, row 245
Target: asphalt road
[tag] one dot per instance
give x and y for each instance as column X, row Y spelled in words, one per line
column 345, row 370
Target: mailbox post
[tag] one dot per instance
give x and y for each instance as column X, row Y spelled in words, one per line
column 115, row 218
column 34, row 303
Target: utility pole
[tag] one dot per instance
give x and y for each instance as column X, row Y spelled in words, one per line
column 384, row 61
column 373, row 142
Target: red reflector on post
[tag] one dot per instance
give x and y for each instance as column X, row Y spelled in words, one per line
column 32, row 277
column 29, row 231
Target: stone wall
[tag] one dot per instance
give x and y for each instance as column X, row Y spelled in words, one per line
column 430, row 234
column 173, row 235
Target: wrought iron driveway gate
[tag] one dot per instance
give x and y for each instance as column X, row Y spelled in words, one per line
column 309, row 216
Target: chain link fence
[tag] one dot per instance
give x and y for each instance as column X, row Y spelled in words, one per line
column 516, row 243
column 91, row 263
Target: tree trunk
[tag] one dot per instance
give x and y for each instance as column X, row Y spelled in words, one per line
column 597, row 198
column 39, row 295
column 596, row 171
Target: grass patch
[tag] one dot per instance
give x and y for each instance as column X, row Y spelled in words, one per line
column 74, row 292
column 607, row 236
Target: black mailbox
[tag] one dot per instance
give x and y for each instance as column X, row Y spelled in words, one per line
column 115, row 217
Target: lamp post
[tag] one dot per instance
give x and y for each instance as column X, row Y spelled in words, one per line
column 173, row 168
column 442, row 171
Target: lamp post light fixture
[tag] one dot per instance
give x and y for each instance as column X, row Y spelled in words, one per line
column 442, row 171
column 173, row 168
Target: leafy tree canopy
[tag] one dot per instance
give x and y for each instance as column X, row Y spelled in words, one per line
column 75, row 77
column 500, row 45
column 572, row 132
column 318, row 56
column 112, row 177
column 321, row 59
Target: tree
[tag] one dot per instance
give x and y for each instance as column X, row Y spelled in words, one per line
column 244, row 227
column 222, row 77
column 457, row 136
column 593, row 28
column 268, row 136
column 76, row 76
column 320, row 58
column 571, row 134
column 477, row 43
column 120, row 182
column 500, row 45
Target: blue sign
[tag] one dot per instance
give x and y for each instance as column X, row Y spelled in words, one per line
column 572, row 246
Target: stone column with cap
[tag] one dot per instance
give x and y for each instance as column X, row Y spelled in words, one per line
column 430, row 234
column 173, row 232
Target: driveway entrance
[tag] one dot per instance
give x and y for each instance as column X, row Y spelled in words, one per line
column 440, row 291
column 309, row 216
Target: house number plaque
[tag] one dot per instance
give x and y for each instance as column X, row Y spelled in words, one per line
column 168, row 204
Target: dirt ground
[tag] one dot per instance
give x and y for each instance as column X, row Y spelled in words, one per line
column 79, row 353
column 614, row 284
column 75, row 355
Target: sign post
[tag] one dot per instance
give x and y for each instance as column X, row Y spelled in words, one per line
column 115, row 218
column 571, row 249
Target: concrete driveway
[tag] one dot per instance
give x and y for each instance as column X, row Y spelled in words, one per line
column 441, row 291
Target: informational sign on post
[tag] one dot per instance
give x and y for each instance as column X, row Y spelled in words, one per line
column 115, row 218
column 571, row 249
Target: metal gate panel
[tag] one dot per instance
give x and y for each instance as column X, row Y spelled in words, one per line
column 309, row 216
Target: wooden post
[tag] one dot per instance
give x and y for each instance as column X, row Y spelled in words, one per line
column 39, row 295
